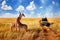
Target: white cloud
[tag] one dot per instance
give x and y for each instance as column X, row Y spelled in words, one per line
column 9, row 15
column 53, row 2
column 41, row 7
column 4, row 2
column 5, row 7
column 20, row 8
column 31, row 6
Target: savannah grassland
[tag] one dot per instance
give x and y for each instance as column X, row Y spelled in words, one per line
column 33, row 26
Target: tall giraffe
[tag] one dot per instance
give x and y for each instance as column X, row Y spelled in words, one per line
column 18, row 24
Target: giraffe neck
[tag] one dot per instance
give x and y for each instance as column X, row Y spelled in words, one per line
column 18, row 20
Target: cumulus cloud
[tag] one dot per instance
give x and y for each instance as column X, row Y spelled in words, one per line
column 9, row 15
column 20, row 8
column 5, row 7
column 31, row 6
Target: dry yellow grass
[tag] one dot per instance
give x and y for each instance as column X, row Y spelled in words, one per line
column 33, row 25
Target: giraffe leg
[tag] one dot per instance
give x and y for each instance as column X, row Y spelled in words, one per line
column 25, row 28
column 16, row 29
column 19, row 29
column 12, row 28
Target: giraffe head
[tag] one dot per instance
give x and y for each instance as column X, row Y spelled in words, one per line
column 21, row 14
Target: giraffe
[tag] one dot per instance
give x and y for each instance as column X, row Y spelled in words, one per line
column 18, row 23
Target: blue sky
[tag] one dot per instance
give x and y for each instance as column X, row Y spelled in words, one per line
column 31, row 8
